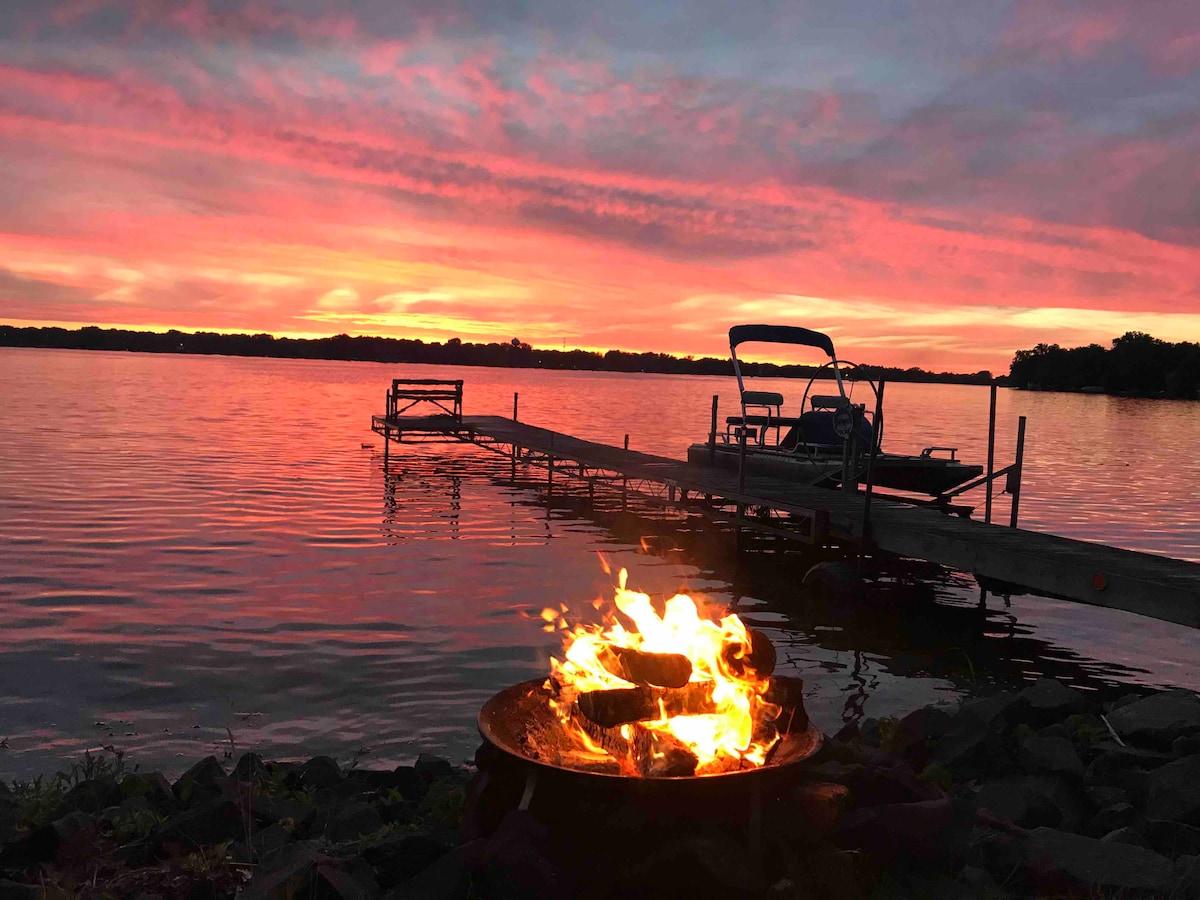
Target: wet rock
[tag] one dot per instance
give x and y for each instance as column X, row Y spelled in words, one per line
column 1031, row 801
column 250, row 768
column 433, row 768
column 518, row 862
column 1171, row 839
column 209, row 823
column 1052, row 755
column 879, row 785
column 398, row 859
column 352, row 821
column 1046, row 701
column 319, row 772
column 808, row 811
column 1125, row 768
column 202, row 782
column 1109, row 819
column 1173, row 791
column 154, row 787
column 1188, row 745
column 974, row 744
column 449, row 878
column 1159, row 718
column 1056, row 860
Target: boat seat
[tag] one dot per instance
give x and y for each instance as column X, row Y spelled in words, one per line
column 781, row 421
column 762, row 398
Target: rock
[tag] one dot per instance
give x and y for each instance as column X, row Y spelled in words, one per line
column 433, row 768
column 915, row 733
column 286, row 873
column 879, row 785
column 1171, row 839
column 517, row 862
column 209, row 823
column 1047, row 700
column 687, row 864
column 202, row 782
column 69, row 837
column 1126, row 836
column 1031, row 801
column 1125, row 768
column 808, row 811
column 1109, row 819
column 267, row 810
column 336, row 883
column 449, row 878
column 89, row 796
column 1059, row 861
column 154, row 787
column 398, row 859
column 250, row 768
column 1102, row 796
column 319, row 772
column 898, row 831
column 973, row 745
column 12, row 890
column 263, row 841
column 352, row 821
column 1159, row 718
column 1051, row 755
column 410, row 783
column 1173, row 791
column 1188, row 745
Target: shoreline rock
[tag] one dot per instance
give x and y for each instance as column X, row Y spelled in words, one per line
column 1045, row 791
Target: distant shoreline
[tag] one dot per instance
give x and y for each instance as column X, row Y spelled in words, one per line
column 513, row 355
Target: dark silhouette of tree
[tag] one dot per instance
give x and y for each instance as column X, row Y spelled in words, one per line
column 1136, row 365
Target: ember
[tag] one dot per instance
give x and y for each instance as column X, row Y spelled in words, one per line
column 676, row 694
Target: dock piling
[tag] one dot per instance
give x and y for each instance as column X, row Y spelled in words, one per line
column 712, row 434
column 1014, row 477
column 991, row 459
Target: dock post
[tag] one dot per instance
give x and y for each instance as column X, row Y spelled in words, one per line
column 991, row 464
column 742, row 458
column 1015, row 475
column 515, row 396
column 712, row 435
column 865, row 532
column 386, row 440
column 625, row 484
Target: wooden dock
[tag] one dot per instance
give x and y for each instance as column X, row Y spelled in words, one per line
column 1155, row 586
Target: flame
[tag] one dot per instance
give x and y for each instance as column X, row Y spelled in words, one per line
column 723, row 739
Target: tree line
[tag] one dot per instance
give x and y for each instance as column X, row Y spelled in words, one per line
column 454, row 352
column 1137, row 365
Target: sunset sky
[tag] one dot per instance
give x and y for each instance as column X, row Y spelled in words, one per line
column 934, row 183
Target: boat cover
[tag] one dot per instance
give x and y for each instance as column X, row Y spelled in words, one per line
column 780, row 334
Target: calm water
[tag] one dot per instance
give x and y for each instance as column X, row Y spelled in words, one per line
column 194, row 549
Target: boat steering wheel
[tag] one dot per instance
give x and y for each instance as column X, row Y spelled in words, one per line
column 847, row 371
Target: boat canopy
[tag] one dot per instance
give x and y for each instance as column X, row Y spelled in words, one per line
column 780, row 334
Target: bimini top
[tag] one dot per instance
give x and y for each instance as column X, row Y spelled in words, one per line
column 780, row 334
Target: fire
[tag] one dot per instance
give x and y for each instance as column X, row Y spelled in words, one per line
column 674, row 686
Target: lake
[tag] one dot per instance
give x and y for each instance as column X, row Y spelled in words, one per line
column 203, row 555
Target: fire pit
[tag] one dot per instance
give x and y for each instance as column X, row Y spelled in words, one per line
column 655, row 696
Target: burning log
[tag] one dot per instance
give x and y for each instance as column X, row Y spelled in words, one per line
column 639, row 704
column 758, row 658
column 671, row 670
column 788, row 694
column 640, row 751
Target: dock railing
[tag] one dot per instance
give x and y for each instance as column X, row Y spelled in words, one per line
column 421, row 393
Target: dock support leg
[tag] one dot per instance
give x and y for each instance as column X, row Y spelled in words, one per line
column 991, row 464
column 1015, row 475
column 549, row 475
column 387, row 439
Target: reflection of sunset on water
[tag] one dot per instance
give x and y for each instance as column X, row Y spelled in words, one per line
column 186, row 539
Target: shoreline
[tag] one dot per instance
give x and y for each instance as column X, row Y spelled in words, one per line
column 1048, row 790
